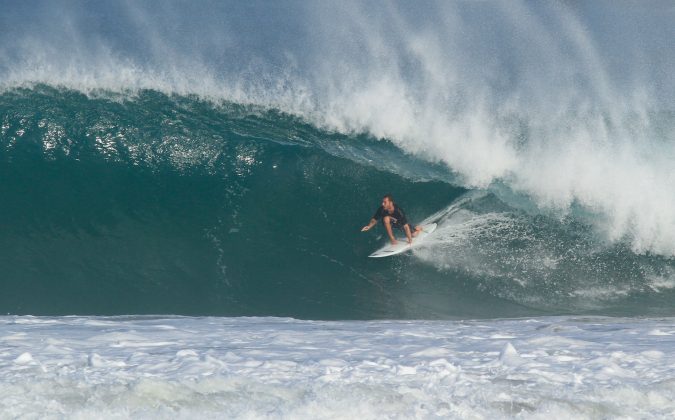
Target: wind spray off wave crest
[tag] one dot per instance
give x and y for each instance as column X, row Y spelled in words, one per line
column 530, row 97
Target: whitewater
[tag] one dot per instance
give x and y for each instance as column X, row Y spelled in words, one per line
column 182, row 189
column 178, row 367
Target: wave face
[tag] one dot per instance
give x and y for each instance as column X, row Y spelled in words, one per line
column 170, row 205
column 220, row 158
column 162, row 204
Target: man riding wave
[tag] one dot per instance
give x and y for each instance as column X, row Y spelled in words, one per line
column 392, row 217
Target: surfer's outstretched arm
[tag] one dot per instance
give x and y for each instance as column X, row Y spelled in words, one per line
column 372, row 223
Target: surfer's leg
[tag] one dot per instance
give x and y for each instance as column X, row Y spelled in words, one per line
column 417, row 231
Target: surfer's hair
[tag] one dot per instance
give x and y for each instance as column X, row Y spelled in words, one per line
column 389, row 197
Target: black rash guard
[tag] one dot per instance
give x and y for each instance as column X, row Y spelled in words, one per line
column 398, row 219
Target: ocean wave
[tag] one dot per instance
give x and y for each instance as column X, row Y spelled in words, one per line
column 531, row 97
column 167, row 204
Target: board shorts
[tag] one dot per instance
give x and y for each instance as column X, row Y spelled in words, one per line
column 399, row 225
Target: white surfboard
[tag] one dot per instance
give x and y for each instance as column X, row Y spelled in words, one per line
column 403, row 245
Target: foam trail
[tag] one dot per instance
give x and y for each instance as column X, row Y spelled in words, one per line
column 538, row 261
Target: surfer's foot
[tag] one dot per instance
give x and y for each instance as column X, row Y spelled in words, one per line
column 417, row 231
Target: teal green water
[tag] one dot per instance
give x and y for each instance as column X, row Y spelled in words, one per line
column 158, row 204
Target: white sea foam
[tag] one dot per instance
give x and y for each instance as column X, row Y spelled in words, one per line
column 154, row 367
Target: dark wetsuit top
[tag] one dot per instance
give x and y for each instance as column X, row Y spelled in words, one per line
column 398, row 219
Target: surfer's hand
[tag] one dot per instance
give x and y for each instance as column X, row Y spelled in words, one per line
column 365, row 228
column 409, row 241
column 394, row 241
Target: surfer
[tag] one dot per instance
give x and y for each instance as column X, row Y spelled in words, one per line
column 392, row 216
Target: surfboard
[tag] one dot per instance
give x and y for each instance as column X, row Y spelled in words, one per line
column 403, row 245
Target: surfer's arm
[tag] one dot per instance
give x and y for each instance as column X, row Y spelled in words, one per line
column 372, row 223
column 408, row 234
column 387, row 225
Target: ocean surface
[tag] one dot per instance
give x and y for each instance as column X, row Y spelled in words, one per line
column 182, row 188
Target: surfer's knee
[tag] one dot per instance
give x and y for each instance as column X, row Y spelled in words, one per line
column 386, row 220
